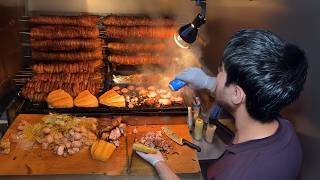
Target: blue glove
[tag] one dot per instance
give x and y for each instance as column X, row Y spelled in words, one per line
column 197, row 79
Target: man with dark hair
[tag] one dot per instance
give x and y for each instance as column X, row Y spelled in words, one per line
column 260, row 75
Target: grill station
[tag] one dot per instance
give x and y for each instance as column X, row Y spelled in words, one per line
column 99, row 76
column 113, row 45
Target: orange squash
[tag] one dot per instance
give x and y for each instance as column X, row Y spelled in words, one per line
column 102, row 150
column 60, row 99
column 86, row 99
column 112, row 98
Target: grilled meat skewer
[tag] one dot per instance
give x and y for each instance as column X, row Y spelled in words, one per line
column 137, row 47
column 66, row 44
column 137, row 79
column 141, row 32
column 63, row 32
column 87, row 66
column 70, row 56
column 88, row 21
column 113, row 20
column 138, row 59
column 36, row 89
column 68, row 77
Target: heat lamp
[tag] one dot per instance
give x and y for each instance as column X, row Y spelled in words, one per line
column 187, row 34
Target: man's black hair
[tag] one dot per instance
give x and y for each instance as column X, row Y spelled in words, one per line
column 270, row 71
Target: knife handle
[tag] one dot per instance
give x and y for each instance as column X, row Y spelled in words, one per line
column 190, row 144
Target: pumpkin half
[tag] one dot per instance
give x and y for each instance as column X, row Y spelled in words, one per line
column 59, row 99
column 86, row 99
column 102, row 150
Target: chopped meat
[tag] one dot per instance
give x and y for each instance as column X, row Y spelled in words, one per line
column 156, row 140
column 115, row 134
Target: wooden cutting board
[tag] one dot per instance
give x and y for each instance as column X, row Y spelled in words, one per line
column 43, row 162
column 39, row 161
column 183, row 161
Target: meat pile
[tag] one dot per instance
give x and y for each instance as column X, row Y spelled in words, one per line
column 63, row 135
column 137, row 96
column 68, row 55
column 158, row 141
column 111, row 130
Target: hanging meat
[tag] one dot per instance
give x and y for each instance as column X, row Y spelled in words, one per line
column 66, row 45
column 137, row 47
column 63, row 32
column 139, row 59
column 38, row 90
column 68, row 56
column 141, row 32
column 85, row 20
column 114, row 20
column 68, row 77
column 87, row 66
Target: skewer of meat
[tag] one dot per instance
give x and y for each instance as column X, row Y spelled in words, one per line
column 141, row 32
column 137, row 79
column 68, row 77
column 74, row 88
column 66, row 44
column 138, row 59
column 137, row 47
column 88, row 21
column 113, row 20
column 32, row 96
column 88, row 66
column 63, row 32
column 69, row 56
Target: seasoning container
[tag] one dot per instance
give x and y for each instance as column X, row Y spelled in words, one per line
column 198, row 128
column 190, row 119
column 211, row 128
column 196, row 108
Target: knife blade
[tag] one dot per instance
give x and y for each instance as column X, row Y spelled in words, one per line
column 181, row 141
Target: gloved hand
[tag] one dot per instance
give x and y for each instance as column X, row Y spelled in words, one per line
column 151, row 158
column 197, row 79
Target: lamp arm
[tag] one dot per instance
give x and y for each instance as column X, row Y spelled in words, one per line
column 203, row 6
column 201, row 17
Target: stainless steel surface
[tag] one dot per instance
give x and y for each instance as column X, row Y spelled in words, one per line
column 210, row 151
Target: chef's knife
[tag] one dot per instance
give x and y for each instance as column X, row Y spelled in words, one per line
column 172, row 135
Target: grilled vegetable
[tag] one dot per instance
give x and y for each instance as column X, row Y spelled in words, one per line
column 60, row 99
column 86, row 99
column 102, row 150
column 142, row 148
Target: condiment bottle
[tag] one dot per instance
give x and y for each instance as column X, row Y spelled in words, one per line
column 196, row 108
column 198, row 129
column 211, row 128
column 190, row 119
